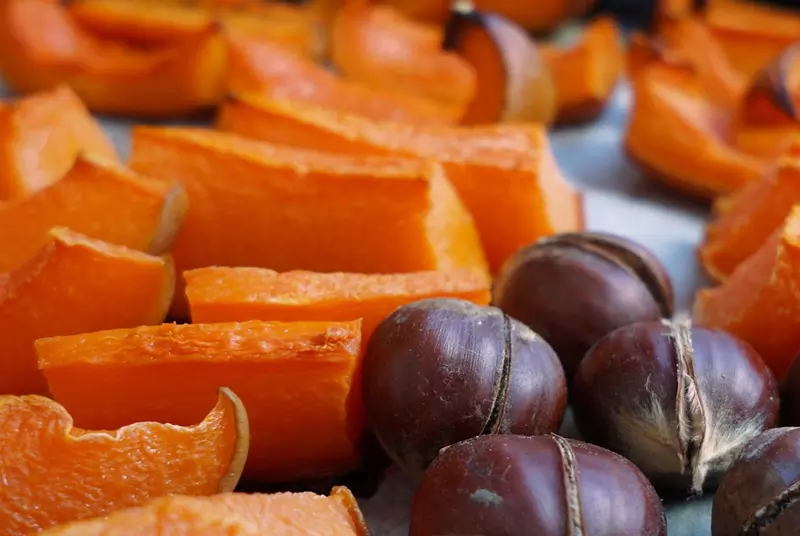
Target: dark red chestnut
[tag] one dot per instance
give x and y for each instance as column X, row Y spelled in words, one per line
column 440, row 371
column 790, row 395
column 548, row 485
column 760, row 494
column 574, row 288
column 678, row 401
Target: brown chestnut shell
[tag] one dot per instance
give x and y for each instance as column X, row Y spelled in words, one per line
column 574, row 288
column 679, row 401
column 507, row 484
column 439, row 371
column 790, row 395
column 760, row 494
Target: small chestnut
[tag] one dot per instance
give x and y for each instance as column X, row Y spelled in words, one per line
column 508, row 484
column 678, row 401
column 760, row 494
column 573, row 288
column 439, row 371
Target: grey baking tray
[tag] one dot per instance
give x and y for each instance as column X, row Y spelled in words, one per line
column 618, row 199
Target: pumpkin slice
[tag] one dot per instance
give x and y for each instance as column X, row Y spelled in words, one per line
column 752, row 34
column 586, row 73
column 751, row 218
column 98, row 198
column 380, row 47
column 428, row 11
column 253, row 204
column 261, row 67
column 153, row 23
column 238, row 294
column 231, row 513
column 506, row 176
column 54, row 472
column 760, row 301
column 108, row 76
column 680, row 136
column 75, row 284
column 294, row 378
column 41, row 136
column 768, row 117
column 513, row 81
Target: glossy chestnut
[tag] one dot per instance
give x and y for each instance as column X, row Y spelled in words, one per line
column 501, row 485
column 678, row 401
column 574, row 288
column 760, row 494
column 439, row 371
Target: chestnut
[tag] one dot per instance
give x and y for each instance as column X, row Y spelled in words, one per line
column 678, row 401
column 501, row 485
column 760, row 494
column 439, row 371
column 573, row 288
column 790, row 395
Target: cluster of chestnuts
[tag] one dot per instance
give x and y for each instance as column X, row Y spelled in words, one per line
column 467, row 399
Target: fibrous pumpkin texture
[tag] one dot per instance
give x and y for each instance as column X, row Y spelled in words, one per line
column 55, row 472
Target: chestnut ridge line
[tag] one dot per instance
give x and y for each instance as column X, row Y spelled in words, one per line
column 501, row 391
column 770, row 512
column 570, row 474
column 690, row 411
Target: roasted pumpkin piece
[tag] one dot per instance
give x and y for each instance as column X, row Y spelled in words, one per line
column 513, row 81
column 261, row 67
column 230, row 513
column 238, row 294
column 768, row 117
column 41, row 136
column 760, row 301
column 55, row 472
column 538, row 16
column 41, row 46
column 73, row 285
column 254, row 204
column 294, row 379
column 152, row 23
column 751, row 218
column 752, row 34
column 679, row 135
column 506, row 176
column 586, row 73
column 428, row 11
column 378, row 46
column 98, row 198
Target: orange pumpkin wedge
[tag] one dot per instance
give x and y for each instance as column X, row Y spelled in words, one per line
column 41, row 136
column 265, row 68
column 42, row 46
column 760, row 301
column 751, row 217
column 678, row 134
column 538, row 16
column 153, row 23
column 586, row 73
column 73, row 285
column 287, row 514
column 98, row 198
column 253, row 204
column 54, row 472
column 294, row 378
column 380, row 47
column 752, row 34
column 506, row 176
column 238, row 294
